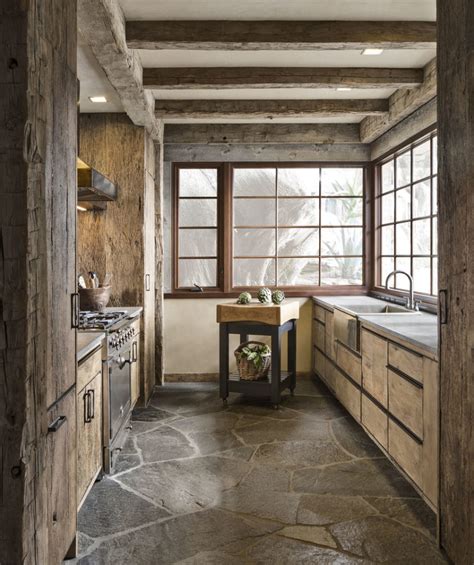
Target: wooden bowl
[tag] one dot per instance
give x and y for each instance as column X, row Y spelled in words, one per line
column 94, row 299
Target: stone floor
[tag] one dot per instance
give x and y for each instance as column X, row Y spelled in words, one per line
column 200, row 484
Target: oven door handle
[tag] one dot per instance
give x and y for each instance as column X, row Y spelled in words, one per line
column 121, row 361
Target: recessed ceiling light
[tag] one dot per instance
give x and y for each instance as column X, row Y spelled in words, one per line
column 98, row 99
column 343, row 88
column 372, row 51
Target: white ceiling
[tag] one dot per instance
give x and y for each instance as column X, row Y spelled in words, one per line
column 94, row 82
column 406, row 10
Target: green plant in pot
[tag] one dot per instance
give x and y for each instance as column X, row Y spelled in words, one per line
column 253, row 360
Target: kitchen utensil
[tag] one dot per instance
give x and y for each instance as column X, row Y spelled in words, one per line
column 94, row 279
column 81, row 282
column 107, row 279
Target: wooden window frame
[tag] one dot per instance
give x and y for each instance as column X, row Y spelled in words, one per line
column 408, row 146
column 224, row 286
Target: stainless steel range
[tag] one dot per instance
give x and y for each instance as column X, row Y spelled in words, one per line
column 119, row 355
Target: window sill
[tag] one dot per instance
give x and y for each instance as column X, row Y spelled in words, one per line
column 303, row 293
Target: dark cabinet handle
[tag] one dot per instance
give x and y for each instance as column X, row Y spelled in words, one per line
column 135, row 351
column 87, row 415
column 75, row 310
column 56, row 424
column 92, row 403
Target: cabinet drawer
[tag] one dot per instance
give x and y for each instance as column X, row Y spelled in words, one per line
column 406, row 361
column 349, row 362
column 331, row 376
column 319, row 335
column 348, row 395
column 374, row 366
column 375, row 420
column 406, row 402
column 329, row 341
column 319, row 362
column 319, row 313
column 406, row 451
column 89, row 368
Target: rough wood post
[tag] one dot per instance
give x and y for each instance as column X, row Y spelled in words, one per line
column 159, row 251
column 456, row 276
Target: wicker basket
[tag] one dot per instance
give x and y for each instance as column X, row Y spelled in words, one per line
column 247, row 370
column 94, row 299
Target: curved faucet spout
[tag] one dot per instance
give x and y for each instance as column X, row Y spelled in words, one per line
column 411, row 303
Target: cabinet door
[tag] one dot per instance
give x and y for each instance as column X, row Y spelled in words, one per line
column 330, row 345
column 135, row 370
column 319, row 335
column 348, row 394
column 61, row 459
column 374, row 366
column 349, row 362
column 89, row 435
column 375, row 420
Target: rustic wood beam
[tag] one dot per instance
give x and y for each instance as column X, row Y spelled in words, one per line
column 280, row 35
column 280, row 77
column 102, row 24
column 402, row 103
column 243, row 109
column 261, row 133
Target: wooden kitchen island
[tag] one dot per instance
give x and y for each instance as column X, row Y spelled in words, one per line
column 258, row 319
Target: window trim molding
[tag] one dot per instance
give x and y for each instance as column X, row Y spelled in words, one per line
column 224, row 288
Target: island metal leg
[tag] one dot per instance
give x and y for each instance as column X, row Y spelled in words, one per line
column 276, row 367
column 292, row 356
column 224, row 362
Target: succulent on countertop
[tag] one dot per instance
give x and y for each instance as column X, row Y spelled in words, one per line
column 244, row 298
column 264, row 295
column 278, row 296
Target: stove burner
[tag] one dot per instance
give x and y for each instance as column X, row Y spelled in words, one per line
column 99, row 320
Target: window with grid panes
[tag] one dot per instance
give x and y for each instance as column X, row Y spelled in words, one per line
column 196, row 245
column 407, row 213
column 297, row 226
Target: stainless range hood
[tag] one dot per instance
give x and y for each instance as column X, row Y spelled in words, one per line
column 94, row 190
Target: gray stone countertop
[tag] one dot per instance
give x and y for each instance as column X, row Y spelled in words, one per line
column 87, row 342
column 418, row 329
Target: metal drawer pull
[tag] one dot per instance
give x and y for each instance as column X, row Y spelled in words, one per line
column 135, row 351
column 91, row 403
column 87, row 416
column 56, row 424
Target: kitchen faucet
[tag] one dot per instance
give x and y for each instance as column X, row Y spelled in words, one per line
column 412, row 304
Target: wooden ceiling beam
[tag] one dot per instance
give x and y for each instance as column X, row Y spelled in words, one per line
column 299, row 35
column 402, row 103
column 261, row 133
column 258, row 109
column 279, row 77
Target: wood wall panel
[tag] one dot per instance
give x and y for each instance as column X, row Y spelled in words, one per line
column 456, row 276
column 37, row 265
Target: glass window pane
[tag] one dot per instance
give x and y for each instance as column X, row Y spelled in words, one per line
column 342, row 182
column 298, row 241
column 388, row 173
column 198, row 243
column 401, row 281
column 254, row 272
column 198, row 182
column 298, row 182
column 254, row 242
column 421, row 160
column 435, row 236
column 403, row 239
column 298, row 212
column 422, row 274
column 388, row 265
column 198, row 213
column 254, row 212
column 341, row 211
column 403, row 204
column 435, row 275
column 341, row 241
column 435, row 155
column 202, row 272
column 254, row 182
column 403, row 169
column 422, row 237
column 421, row 199
column 341, row 270
column 435, row 195
column 387, row 247
column 388, row 208
column 303, row 272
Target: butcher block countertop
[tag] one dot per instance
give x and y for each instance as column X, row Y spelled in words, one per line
column 271, row 314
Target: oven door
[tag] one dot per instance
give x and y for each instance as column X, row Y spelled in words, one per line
column 119, row 390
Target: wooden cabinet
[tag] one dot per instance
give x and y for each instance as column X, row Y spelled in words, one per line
column 407, row 451
column 61, row 484
column 406, row 361
column 136, row 363
column 349, row 362
column 89, row 424
column 319, row 363
column 329, row 329
column 406, row 402
column 374, row 366
column 319, row 335
column 375, row 420
column 319, row 313
column 348, row 394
